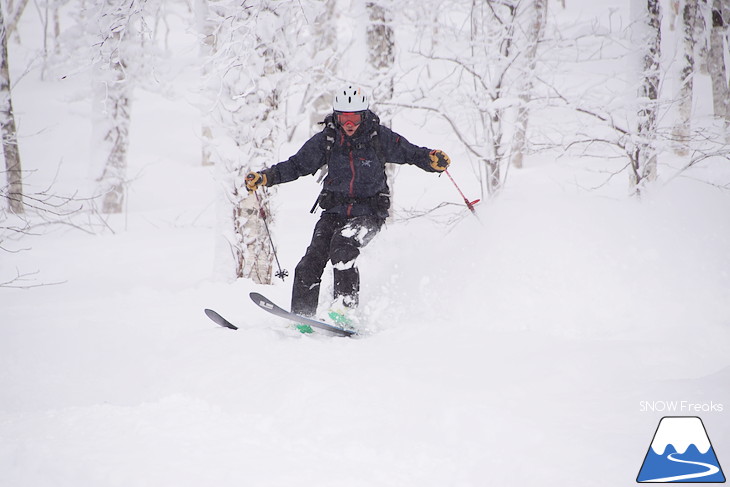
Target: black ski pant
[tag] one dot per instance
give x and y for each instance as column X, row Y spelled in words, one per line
column 338, row 239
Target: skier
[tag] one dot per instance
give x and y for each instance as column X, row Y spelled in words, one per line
column 355, row 196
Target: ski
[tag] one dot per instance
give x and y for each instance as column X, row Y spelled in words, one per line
column 219, row 320
column 266, row 304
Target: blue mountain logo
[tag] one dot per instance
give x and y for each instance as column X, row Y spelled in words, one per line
column 680, row 452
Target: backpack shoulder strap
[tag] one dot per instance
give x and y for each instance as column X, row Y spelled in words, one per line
column 330, row 133
column 374, row 122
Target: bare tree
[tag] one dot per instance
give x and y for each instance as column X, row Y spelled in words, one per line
column 44, row 208
column 493, row 26
column 318, row 95
column 14, row 14
column 686, row 82
column 381, row 56
column 8, row 131
column 643, row 154
column 717, row 65
column 381, row 61
column 206, row 29
column 529, row 60
column 635, row 128
column 111, row 97
column 248, row 80
column 473, row 74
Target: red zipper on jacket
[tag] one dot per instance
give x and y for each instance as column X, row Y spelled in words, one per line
column 352, row 183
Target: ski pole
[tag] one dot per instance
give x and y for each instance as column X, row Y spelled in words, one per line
column 281, row 273
column 469, row 204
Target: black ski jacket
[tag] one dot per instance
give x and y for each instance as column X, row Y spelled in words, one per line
column 356, row 174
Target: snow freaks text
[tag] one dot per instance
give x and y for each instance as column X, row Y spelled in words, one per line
column 681, row 407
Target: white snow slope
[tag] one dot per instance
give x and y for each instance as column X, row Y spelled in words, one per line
column 511, row 350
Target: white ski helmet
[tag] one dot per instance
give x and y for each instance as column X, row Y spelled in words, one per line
column 350, row 99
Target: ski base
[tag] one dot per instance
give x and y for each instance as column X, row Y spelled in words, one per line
column 267, row 305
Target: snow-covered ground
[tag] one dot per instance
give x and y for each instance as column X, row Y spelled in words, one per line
column 519, row 348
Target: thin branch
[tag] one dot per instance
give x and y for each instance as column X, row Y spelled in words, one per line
column 22, row 281
column 585, row 111
column 453, row 124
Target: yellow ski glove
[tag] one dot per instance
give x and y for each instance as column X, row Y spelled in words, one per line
column 439, row 161
column 254, row 180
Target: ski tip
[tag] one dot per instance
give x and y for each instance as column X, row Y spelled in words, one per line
column 219, row 320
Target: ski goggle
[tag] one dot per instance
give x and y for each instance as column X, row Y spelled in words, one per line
column 343, row 118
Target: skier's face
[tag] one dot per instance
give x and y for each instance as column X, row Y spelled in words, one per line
column 349, row 121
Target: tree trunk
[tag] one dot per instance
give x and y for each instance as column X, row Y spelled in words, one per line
column 325, row 39
column 249, row 66
column 112, row 132
column 702, row 31
column 253, row 255
column 717, row 63
column 496, row 21
column 681, row 132
column 381, row 58
column 111, row 85
column 14, row 13
column 674, row 8
column 725, row 12
column 534, row 32
column 8, row 130
column 206, row 30
column 644, row 157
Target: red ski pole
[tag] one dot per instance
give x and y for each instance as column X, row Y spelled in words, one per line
column 469, row 204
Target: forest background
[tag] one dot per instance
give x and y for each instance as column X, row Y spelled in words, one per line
column 594, row 280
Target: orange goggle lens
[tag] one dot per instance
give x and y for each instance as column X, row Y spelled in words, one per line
column 349, row 117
